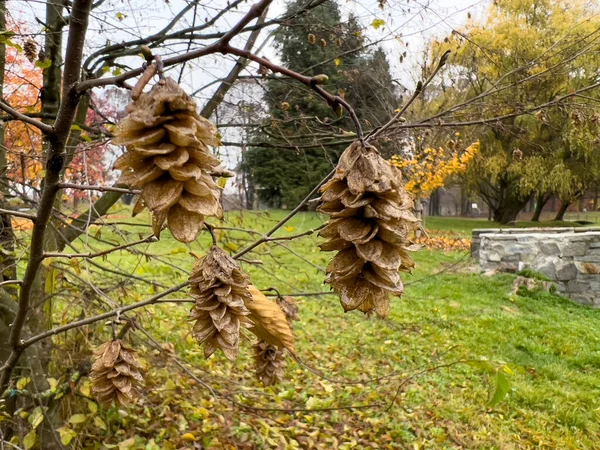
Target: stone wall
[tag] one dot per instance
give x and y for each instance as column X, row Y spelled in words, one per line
column 477, row 232
column 569, row 257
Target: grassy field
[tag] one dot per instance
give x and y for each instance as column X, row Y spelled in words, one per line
column 429, row 369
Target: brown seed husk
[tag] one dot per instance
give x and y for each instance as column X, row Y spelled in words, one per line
column 220, row 290
column 270, row 324
column 168, row 158
column 115, row 374
column 269, row 363
column 371, row 221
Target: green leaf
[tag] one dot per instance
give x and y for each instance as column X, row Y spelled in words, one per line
column 121, row 16
column 502, row 388
column 29, row 440
column 43, row 64
column 92, row 406
column 117, row 71
column 76, row 127
column 36, row 417
column 377, row 23
column 66, row 435
column 77, row 418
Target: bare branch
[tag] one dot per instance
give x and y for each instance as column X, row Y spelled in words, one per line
column 45, row 128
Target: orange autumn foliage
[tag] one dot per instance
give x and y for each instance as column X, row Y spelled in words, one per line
column 23, row 81
column 22, row 84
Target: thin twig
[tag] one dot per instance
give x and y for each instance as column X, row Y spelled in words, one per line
column 89, row 187
column 101, row 253
column 420, row 88
column 283, row 221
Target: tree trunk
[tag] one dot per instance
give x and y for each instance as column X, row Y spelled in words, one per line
column 560, row 215
column 596, row 197
column 435, row 203
column 419, row 214
column 540, row 202
column 509, row 210
column 465, row 206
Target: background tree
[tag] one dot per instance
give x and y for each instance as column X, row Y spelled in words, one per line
column 302, row 140
column 538, row 52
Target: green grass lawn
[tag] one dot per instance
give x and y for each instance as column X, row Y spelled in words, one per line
column 548, row 347
column 463, row 225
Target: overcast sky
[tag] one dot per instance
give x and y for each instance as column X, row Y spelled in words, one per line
column 408, row 25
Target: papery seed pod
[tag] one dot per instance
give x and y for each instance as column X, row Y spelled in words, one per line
column 269, row 363
column 168, row 158
column 370, row 223
column 115, row 374
column 269, row 323
column 289, row 307
column 312, row 38
column 30, row 50
column 220, row 290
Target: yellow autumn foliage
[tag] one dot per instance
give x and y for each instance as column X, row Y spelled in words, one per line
column 430, row 168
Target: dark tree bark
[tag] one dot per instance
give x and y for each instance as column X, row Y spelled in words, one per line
column 435, row 203
column 540, row 202
column 560, row 215
column 508, row 209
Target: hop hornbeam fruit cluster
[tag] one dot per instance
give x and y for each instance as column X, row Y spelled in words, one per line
column 225, row 302
column 169, row 159
column 370, row 224
column 220, row 290
column 269, row 363
column 269, row 359
column 116, row 374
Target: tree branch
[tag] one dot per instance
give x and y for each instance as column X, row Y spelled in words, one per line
column 44, row 128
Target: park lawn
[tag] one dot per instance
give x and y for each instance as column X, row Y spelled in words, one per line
column 462, row 226
column 547, row 347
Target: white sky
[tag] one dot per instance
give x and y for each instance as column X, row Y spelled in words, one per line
column 409, row 24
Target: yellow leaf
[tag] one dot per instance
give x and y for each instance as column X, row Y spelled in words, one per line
column 85, row 388
column 77, row 418
column 337, row 61
column 203, row 412
column 23, row 382
column 66, row 435
column 222, row 182
column 289, row 229
column 53, row 382
column 377, row 23
column 99, row 423
column 188, row 437
column 36, row 417
column 29, row 440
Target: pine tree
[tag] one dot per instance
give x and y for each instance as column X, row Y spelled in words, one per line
column 316, row 43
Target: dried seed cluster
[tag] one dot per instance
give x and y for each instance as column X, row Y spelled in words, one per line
column 269, row 359
column 169, row 159
column 220, row 291
column 30, row 50
column 269, row 363
column 370, row 222
column 116, row 374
